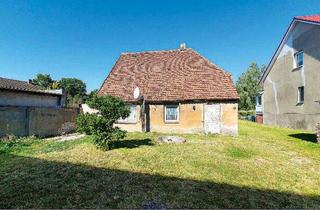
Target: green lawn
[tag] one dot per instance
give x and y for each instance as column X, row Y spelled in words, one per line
column 265, row 167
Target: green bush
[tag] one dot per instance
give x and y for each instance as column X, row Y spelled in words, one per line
column 244, row 113
column 85, row 123
column 101, row 125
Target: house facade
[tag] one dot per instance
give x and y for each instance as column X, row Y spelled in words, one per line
column 290, row 96
column 177, row 91
column 25, row 94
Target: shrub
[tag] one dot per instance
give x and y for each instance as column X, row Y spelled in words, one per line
column 247, row 115
column 101, row 125
column 85, row 123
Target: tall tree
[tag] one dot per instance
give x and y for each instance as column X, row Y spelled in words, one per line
column 75, row 88
column 43, row 80
column 248, row 87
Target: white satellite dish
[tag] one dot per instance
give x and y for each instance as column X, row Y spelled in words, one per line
column 136, row 93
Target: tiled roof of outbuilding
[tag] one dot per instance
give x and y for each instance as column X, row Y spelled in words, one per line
column 168, row 75
column 17, row 85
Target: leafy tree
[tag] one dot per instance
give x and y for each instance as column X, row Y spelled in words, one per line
column 101, row 125
column 75, row 88
column 55, row 85
column 248, row 87
column 91, row 95
column 43, row 80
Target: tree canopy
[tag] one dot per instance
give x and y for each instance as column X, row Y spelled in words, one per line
column 43, row 80
column 75, row 88
column 248, row 86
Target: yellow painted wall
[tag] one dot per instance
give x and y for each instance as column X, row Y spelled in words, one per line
column 229, row 118
column 190, row 121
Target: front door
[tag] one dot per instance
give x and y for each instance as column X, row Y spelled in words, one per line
column 212, row 121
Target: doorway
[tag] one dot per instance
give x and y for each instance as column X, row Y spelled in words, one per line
column 212, row 119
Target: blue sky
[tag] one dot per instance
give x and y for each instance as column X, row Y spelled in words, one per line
column 83, row 39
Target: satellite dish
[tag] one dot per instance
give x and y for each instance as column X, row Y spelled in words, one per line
column 136, row 93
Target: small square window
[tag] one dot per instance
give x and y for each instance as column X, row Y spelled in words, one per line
column 301, row 94
column 299, row 59
column 171, row 113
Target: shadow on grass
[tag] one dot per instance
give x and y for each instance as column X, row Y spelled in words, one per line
column 132, row 143
column 305, row 137
column 35, row 183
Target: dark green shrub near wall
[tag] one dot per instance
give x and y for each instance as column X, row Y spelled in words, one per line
column 247, row 115
column 101, row 125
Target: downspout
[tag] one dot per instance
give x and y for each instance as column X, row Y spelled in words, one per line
column 143, row 112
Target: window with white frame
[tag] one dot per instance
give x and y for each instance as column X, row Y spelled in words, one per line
column 258, row 100
column 301, row 94
column 298, row 59
column 132, row 117
column 171, row 113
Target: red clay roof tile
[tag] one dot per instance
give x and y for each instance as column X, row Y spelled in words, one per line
column 169, row 75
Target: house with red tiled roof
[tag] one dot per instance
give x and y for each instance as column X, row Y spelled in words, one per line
column 291, row 82
column 173, row 91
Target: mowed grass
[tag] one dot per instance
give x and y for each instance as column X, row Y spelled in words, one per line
column 264, row 167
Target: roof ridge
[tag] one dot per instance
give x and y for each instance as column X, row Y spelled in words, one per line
column 14, row 80
column 26, row 82
column 14, row 84
column 154, row 51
